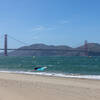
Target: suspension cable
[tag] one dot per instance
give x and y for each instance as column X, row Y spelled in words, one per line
column 17, row 40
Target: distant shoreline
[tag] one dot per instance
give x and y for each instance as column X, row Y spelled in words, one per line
column 93, row 49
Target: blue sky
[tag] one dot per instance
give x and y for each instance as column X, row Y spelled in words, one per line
column 53, row 22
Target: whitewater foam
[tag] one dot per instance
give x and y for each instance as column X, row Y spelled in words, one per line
column 56, row 74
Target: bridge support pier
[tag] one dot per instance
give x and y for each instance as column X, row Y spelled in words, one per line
column 5, row 45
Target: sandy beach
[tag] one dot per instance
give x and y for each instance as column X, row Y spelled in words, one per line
column 34, row 87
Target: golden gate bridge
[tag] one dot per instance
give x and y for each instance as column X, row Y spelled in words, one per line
column 85, row 49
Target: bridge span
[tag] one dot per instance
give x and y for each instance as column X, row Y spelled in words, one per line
column 85, row 49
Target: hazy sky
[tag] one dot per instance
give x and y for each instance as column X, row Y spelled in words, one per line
column 53, row 22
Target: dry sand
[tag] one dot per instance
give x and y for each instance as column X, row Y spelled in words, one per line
column 33, row 87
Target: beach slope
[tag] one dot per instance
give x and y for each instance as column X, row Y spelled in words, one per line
column 34, row 87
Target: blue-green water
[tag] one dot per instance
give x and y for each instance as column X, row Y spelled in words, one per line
column 65, row 65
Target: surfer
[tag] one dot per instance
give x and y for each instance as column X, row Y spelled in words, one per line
column 39, row 68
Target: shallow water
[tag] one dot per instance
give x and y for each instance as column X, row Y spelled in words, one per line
column 64, row 65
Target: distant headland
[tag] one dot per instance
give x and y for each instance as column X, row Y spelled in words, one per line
column 58, row 50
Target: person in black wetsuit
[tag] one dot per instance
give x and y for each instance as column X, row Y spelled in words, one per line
column 36, row 68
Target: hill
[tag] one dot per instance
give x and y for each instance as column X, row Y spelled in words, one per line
column 47, row 50
column 52, row 50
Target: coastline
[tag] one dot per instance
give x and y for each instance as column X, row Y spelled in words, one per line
column 29, row 87
column 79, row 76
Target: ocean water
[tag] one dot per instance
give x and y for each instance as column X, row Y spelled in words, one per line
column 77, row 67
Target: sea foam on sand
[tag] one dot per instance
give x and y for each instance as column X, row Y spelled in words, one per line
column 56, row 74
